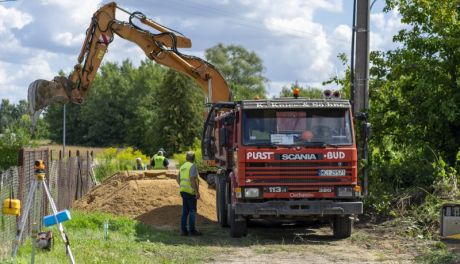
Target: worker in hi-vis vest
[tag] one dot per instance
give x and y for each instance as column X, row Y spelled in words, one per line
column 188, row 182
column 159, row 161
column 139, row 165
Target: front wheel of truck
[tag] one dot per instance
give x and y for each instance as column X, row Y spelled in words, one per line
column 238, row 225
column 342, row 226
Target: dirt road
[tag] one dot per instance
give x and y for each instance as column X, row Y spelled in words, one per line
column 303, row 244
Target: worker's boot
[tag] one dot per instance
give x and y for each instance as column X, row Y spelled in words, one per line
column 195, row 233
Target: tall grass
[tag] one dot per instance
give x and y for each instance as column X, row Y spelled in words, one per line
column 113, row 160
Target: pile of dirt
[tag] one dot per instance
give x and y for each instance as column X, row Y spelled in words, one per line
column 151, row 197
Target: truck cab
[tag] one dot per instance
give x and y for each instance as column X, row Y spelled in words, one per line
column 286, row 159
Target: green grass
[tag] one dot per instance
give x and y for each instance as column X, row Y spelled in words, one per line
column 439, row 254
column 128, row 242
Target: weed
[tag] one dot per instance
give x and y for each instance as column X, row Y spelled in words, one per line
column 113, row 160
column 438, row 256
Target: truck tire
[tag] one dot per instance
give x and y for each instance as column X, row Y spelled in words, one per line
column 221, row 207
column 238, row 225
column 342, row 226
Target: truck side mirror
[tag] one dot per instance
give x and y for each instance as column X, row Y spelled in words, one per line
column 223, row 137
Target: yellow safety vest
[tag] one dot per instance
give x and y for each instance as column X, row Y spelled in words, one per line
column 184, row 173
column 159, row 160
column 136, row 167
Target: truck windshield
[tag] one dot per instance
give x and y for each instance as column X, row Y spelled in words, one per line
column 297, row 127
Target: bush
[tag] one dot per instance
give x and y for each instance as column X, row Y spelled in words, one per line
column 113, row 160
column 180, row 157
column 11, row 141
column 421, row 218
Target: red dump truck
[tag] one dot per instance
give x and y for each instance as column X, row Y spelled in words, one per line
column 288, row 159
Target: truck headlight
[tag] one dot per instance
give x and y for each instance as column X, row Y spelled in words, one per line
column 345, row 192
column 251, row 192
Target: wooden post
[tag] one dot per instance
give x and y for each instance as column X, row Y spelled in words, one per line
column 78, row 178
column 20, row 180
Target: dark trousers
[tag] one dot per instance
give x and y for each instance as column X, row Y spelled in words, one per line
column 188, row 211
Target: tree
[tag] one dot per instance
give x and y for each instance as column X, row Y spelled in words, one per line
column 111, row 105
column 344, row 82
column 418, row 82
column 149, row 78
column 10, row 113
column 75, row 128
column 118, row 109
column 12, row 139
column 415, row 96
column 309, row 92
column 10, row 144
column 179, row 118
column 242, row 69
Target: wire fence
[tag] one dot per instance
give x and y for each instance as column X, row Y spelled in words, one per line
column 68, row 179
column 8, row 184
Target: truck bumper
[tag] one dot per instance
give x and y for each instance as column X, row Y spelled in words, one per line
column 299, row 208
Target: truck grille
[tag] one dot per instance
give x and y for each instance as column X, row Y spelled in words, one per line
column 296, row 172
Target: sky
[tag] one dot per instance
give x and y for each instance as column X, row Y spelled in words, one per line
column 298, row 40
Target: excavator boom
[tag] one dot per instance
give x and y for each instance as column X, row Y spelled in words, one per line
column 162, row 47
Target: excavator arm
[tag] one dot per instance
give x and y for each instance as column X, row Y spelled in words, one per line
column 160, row 47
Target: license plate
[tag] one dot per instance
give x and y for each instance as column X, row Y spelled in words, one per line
column 275, row 189
column 331, row 173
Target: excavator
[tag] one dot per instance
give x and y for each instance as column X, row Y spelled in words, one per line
column 284, row 159
column 161, row 46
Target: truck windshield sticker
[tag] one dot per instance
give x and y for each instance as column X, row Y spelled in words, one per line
column 282, row 139
column 288, row 121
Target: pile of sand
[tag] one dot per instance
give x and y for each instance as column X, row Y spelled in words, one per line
column 151, row 197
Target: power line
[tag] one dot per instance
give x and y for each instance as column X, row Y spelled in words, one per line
column 205, row 11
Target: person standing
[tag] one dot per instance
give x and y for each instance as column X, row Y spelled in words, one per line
column 139, row 165
column 189, row 190
column 159, row 161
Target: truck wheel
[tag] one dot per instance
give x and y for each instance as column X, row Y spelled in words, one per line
column 238, row 225
column 342, row 226
column 221, row 207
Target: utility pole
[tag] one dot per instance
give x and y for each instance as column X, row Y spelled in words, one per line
column 352, row 56
column 360, row 100
column 361, row 83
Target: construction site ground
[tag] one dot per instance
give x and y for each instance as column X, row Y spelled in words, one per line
column 152, row 197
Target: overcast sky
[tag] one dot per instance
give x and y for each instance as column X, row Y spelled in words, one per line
column 296, row 39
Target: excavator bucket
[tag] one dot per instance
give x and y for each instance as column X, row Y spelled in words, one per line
column 43, row 93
